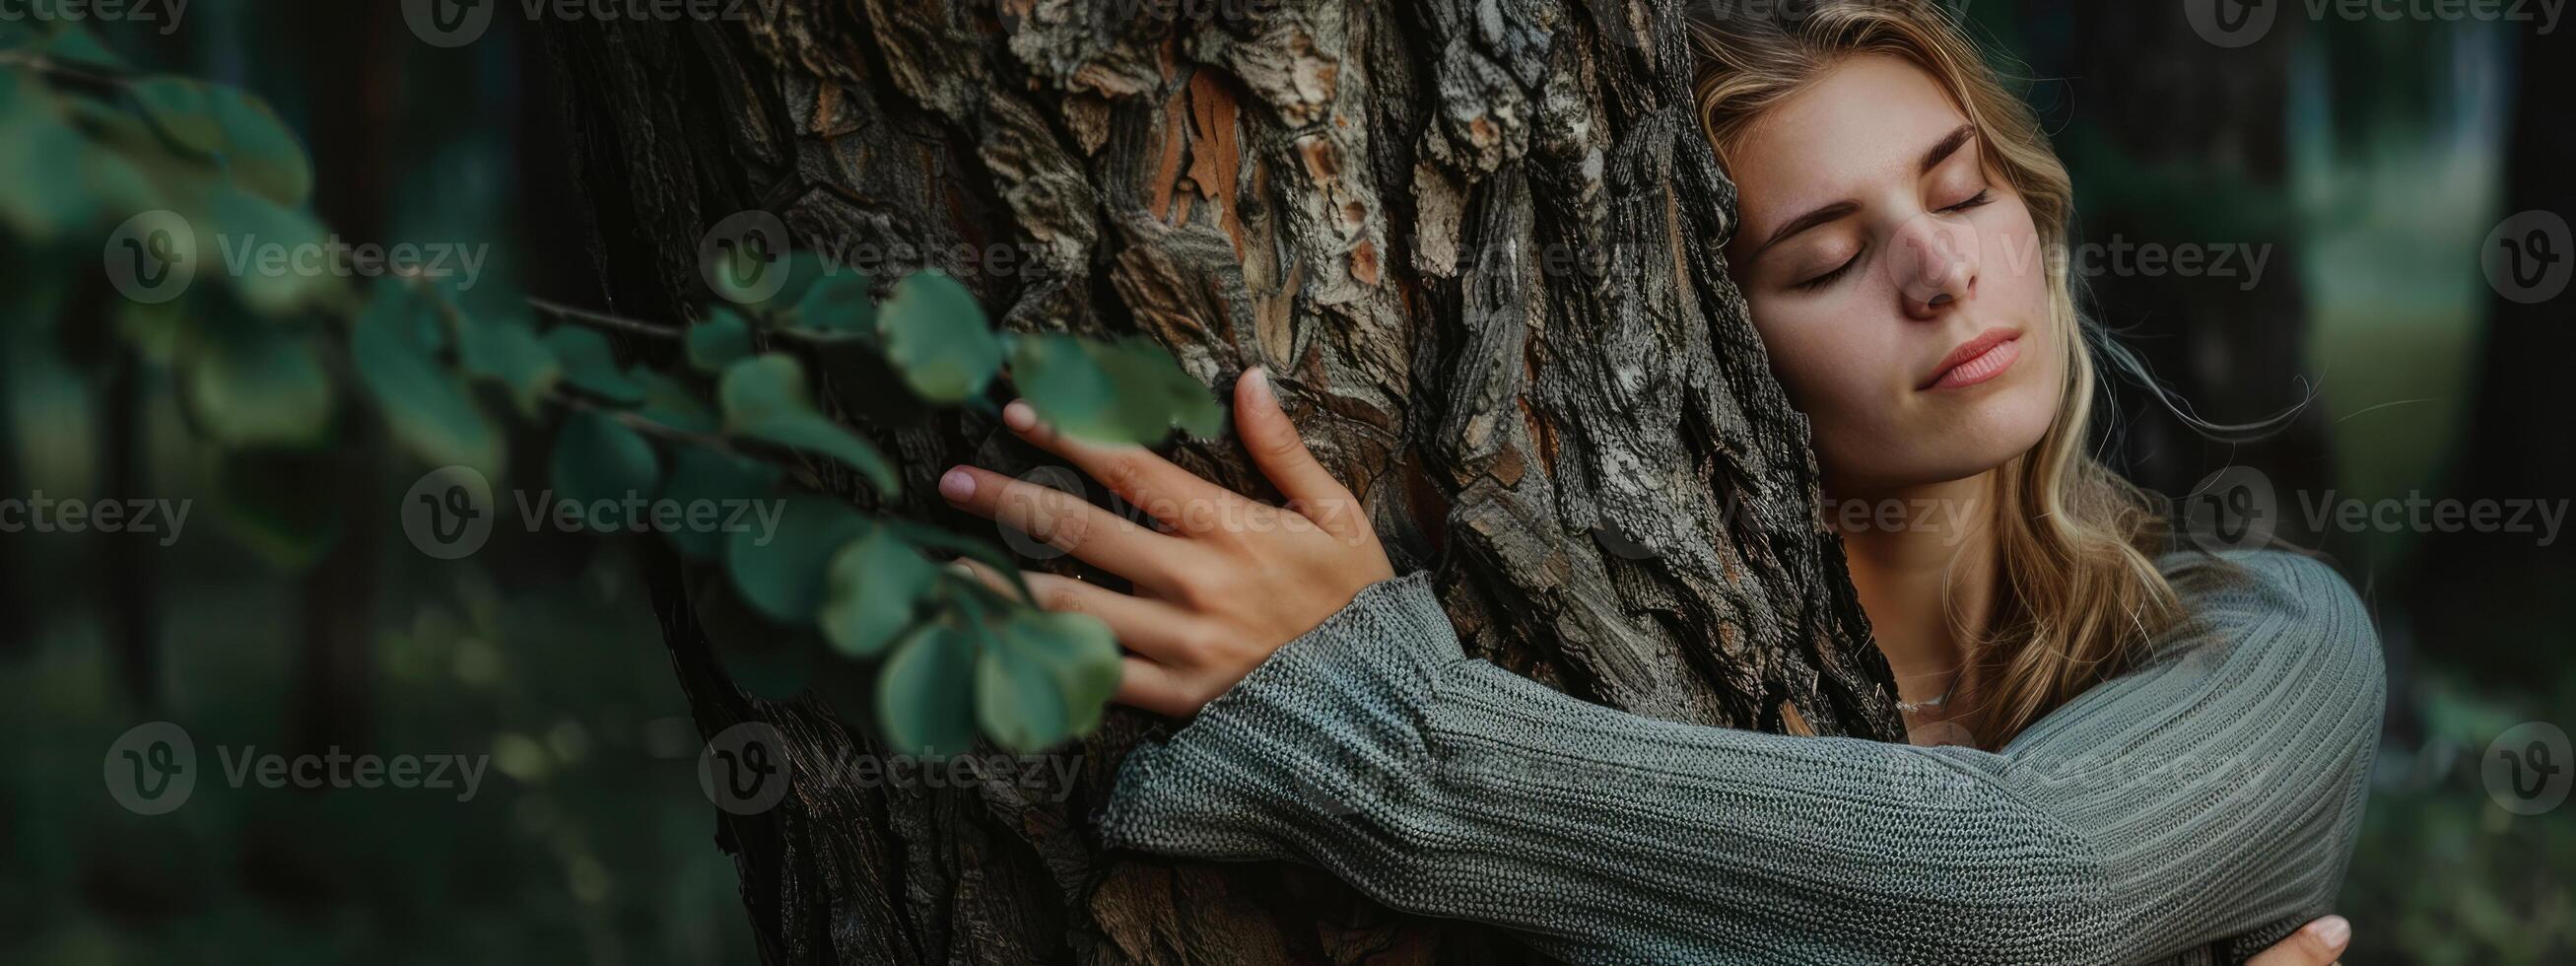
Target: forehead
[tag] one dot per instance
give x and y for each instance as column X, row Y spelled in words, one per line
column 1865, row 121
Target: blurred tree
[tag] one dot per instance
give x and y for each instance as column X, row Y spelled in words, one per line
column 1476, row 243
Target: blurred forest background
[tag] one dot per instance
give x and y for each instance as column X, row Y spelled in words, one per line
column 2367, row 160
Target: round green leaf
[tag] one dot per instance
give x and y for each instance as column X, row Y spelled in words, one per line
column 765, row 398
column 875, row 585
column 179, row 106
column 591, row 366
column 508, row 351
column 599, row 465
column 1127, row 391
column 262, row 155
column 926, row 692
column 781, row 574
column 937, row 337
column 1081, row 654
column 426, row 406
column 720, row 341
column 1017, row 698
column 836, row 304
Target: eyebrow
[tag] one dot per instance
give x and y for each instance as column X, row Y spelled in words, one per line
column 1941, row 151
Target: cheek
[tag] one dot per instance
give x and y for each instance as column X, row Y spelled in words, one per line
column 1832, row 373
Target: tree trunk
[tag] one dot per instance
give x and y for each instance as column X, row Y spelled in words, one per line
column 1476, row 243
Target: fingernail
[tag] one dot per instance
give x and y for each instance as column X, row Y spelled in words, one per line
column 2334, row 930
column 957, row 484
column 960, row 568
column 1260, row 383
column 1019, row 415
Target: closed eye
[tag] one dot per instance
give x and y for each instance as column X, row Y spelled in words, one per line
column 1983, row 196
column 1828, row 278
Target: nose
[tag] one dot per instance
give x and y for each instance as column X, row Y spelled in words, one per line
column 1937, row 265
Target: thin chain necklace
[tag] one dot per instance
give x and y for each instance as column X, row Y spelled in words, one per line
column 1931, row 703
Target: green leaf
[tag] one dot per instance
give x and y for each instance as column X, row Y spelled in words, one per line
column 763, row 658
column 1016, row 697
column 765, row 398
column 926, row 692
column 873, row 588
column 836, row 303
column 254, row 225
column 937, row 539
column 507, row 350
column 262, row 155
column 782, row 574
column 179, row 106
column 1127, row 391
column 425, row 405
column 36, row 147
column 74, row 42
column 706, row 477
column 1080, row 652
column 720, row 341
column 591, row 366
column 253, row 385
column 937, row 337
column 598, row 460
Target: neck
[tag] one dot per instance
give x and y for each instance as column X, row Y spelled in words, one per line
column 1923, row 559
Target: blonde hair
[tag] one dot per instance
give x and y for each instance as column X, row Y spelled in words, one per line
column 2080, row 594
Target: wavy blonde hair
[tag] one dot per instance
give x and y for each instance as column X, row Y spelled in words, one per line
column 2080, row 594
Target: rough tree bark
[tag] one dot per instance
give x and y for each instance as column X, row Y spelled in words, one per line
column 1477, row 243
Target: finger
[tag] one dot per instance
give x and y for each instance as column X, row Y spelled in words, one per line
column 2315, row 944
column 1282, row 455
column 1149, row 627
column 1153, row 687
column 1138, row 475
column 1065, row 522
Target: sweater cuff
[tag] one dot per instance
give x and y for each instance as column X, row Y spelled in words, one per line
column 1319, row 749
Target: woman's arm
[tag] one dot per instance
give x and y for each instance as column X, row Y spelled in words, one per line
column 2198, row 797
column 2214, row 791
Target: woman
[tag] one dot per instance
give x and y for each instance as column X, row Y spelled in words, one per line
column 2121, row 754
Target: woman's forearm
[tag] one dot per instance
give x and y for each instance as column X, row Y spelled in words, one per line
column 2121, row 828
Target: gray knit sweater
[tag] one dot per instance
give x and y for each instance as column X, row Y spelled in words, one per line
column 2200, row 806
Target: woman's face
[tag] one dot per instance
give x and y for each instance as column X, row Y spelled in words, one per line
column 1897, row 281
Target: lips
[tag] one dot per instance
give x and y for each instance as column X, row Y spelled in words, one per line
column 1976, row 360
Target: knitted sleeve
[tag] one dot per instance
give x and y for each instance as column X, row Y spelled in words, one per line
column 2212, row 793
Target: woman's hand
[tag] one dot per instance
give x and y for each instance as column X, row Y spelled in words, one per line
column 1221, row 582
column 2315, row 944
